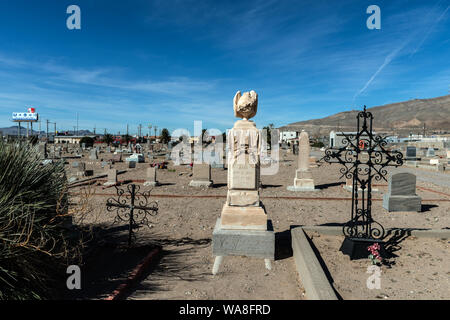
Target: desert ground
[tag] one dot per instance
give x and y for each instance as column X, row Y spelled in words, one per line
column 187, row 215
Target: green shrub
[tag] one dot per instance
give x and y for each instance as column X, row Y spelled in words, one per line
column 318, row 144
column 33, row 203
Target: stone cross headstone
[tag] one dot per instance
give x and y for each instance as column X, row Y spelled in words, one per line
column 201, row 176
column 401, row 194
column 303, row 180
column 151, row 177
column 243, row 228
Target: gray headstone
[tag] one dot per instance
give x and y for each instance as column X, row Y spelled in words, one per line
column 411, row 152
column 251, row 243
column 402, row 184
column 401, row 194
column 202, row 172
column 132, row 164
column 430, row 152
column 43, row 150
column 93, row 154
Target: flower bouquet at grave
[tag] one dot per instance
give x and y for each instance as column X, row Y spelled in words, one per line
column 374, row 255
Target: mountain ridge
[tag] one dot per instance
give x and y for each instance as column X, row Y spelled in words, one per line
column 401, row 117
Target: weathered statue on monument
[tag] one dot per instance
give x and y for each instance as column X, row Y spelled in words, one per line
column 243, row 228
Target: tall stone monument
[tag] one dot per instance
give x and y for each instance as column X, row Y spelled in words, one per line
column 303, row 180
column 243, row 228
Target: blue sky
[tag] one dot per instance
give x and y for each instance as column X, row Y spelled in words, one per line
column 169, row 63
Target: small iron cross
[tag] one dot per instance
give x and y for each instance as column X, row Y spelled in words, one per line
column 363, row 157
column 132, row 206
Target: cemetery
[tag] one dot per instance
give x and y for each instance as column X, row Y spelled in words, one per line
column 191, row 230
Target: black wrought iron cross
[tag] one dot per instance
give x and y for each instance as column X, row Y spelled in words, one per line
column 364, row 157
column 133, row 207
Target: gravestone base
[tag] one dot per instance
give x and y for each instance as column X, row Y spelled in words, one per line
column 412, row 163
column 303, row 181
column 72, row 179
column 248, row 243
column 109, row 183
column 350, row 189
column 402, row 203
column 151, row 183
column 356, row 248
column 201, row 183
column 296, row 189
column 243, row 218
column 302, row 185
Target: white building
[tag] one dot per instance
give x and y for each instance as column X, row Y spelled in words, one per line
column 337, row 138
column 285, row 136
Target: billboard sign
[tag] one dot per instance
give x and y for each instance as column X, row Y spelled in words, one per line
column 24, row 116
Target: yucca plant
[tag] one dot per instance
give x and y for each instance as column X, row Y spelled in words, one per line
column 33, row 241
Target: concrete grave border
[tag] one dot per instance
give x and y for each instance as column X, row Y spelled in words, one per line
column 309, row 269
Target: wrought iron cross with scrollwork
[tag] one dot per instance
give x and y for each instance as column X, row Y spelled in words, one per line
column 132, row 206
column 364, row 157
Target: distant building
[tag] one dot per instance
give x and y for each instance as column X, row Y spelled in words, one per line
column 337, row 138
column 70, row 139
column 287, row 136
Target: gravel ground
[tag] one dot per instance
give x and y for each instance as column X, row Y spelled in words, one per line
column 421, row 270
column 193, row 212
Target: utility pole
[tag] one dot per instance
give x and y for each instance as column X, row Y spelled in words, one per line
column 55, row 131
column 155, row 132
column 77, row 123
column 47, row 130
